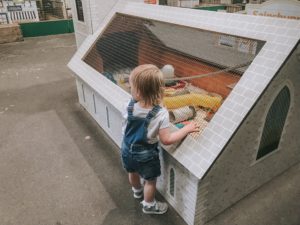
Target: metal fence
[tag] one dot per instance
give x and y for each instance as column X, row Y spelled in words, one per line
column 23, row 11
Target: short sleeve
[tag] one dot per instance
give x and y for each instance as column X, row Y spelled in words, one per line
column 124, row 116
column 165, row 122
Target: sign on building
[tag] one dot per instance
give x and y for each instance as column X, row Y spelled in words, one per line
column 288, row 9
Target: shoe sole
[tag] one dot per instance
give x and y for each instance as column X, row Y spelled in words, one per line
column 138, row 197
column 156, row 213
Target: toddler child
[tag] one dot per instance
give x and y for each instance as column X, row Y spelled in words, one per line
column 145, row 123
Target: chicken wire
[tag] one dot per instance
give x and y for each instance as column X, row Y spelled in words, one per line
column 200, row 67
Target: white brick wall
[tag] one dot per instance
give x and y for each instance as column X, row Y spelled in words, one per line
column 186, row 187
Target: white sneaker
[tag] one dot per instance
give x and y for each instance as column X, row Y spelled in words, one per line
column 137, row 193
column 157, row 208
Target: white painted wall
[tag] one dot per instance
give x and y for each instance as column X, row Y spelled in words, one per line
column 94, row 12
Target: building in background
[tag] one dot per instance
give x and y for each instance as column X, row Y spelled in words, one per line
column 18, row 11
column 287, row 9
column 32, row 18
column 24, row 11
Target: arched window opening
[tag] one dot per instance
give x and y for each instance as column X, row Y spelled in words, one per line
column 172, row 182
column 274, row 123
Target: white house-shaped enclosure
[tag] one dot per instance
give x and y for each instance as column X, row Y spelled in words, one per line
column 195, row 42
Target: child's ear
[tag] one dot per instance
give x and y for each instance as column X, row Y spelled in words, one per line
column 138, row 95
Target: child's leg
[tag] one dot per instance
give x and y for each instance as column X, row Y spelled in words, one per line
column 134, row 180
column 149, row 190
column 150, row 205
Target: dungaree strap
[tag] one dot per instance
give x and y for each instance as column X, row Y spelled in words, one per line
column 152, row 113
column 130, row 107
column 149, row 116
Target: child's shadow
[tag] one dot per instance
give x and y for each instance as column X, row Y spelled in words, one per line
column 121, row 217
column 135, row 216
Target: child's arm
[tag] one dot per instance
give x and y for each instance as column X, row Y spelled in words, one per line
column 166, row 137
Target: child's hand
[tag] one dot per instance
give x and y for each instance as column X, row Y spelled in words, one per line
column 166, row 137
column 192, row 127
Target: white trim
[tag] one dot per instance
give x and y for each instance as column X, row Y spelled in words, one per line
column 174, row 183
column 81, row 23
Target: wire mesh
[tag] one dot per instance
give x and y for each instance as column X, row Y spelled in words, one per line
column 200, row 67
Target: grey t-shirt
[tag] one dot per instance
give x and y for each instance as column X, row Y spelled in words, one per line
column 160, row 121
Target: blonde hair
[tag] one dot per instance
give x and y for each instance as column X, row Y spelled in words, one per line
column 148, row 80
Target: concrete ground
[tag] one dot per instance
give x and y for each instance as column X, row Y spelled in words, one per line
column 57, row 167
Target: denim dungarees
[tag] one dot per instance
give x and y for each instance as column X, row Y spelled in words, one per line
column 137, row 154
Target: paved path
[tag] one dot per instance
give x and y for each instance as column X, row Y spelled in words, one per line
column 57, row 167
